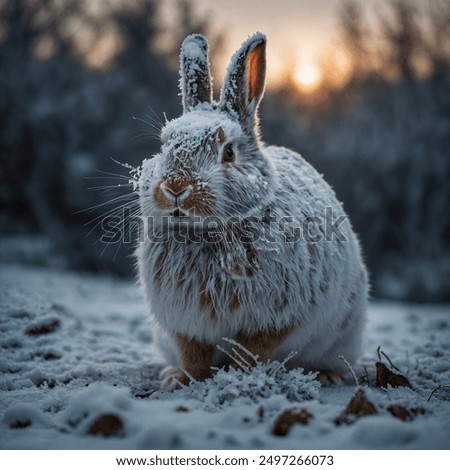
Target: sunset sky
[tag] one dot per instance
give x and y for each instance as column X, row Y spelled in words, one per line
column 300, row 34
column 298, row 31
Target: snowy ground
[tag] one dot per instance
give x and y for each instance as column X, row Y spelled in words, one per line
column 77, row 371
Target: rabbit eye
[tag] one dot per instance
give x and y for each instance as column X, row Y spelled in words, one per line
column 228, row 154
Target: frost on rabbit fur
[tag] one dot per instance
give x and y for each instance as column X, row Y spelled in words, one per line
column 240, row 269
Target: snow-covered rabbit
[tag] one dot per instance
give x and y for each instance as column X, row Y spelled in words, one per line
column 245, row 241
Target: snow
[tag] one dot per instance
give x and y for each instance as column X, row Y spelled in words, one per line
column 195, row 80
column 192, row 50
column 76, row 352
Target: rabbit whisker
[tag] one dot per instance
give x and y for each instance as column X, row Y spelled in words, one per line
column 122, row 197
column 115, row 211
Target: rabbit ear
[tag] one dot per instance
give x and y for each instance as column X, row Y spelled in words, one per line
column 195, row 81
column 244, row 82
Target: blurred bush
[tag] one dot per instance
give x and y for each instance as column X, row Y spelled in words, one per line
column 383, row 142
column 74, row 73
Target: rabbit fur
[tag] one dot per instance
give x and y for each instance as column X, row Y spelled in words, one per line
column 237, row 242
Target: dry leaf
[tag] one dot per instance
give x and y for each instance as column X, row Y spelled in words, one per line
column 44, row 329
column 20, row 424
column 404, row 414
column 182, row 409
column 386, row 377
column 359, row 406
column 400, row 412
column 106, row 425
column 288, row 418
column 261, row 413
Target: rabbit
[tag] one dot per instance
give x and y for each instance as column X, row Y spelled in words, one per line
column 237, row 242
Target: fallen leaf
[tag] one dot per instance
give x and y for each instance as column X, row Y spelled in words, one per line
column 288, row 418
column 400, row 412
column 261, row 413
column 182, row 409
column 418, row 411
column 386, row 377
column 359, row 406
column 143, row 394
column 106, row 425
column 20, row 424
column 43, row 329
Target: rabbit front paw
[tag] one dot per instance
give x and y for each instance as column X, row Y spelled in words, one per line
column 329, row 378
column 173, row 379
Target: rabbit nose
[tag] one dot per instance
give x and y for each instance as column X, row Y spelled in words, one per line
column 175, row 192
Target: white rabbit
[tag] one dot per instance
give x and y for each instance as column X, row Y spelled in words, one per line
column 245, row 241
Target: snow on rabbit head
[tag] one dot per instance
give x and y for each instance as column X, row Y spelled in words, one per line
column 211, row 161
column 255, row 282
